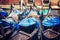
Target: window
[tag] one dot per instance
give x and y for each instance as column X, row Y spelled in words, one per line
column 30, row 1
column 46, row 1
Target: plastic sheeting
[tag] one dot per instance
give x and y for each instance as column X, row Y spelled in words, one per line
column 3, row 13
column 45, row 12
column 27, row 12
column 13, row 23
column 28, row 22
column 9, row 22
column 4, row 23
column 51, row 21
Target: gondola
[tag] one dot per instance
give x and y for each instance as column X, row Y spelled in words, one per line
column 7, row 26
column 51, row 27
column 28, row 28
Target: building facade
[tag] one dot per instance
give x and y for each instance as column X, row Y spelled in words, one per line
column 37, row 2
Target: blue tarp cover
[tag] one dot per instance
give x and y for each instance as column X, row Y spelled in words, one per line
column 28, row 22
column 51, row 21
column 4, row 23
column 27, row 12
column 13, row 23
column 3, row 13
column 9, row 22
column 45, row 12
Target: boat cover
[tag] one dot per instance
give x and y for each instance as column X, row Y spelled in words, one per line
column 27, row 12
column 9, row 22
column 28, row 22
column 3, row 13
column 45, row 12
column 51, row 21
